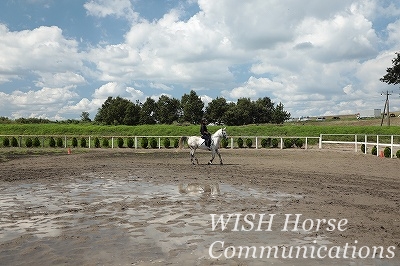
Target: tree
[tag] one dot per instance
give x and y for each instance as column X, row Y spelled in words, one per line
column 132, row 114
column 393, row 73
column 279, row 116
column 168, row 110
column 192, row 107
column 264, row 109
column 85, row 117
column 245, row 110
column 216, row 110
column 113, row 111
column 231, row 115
column 148, row 112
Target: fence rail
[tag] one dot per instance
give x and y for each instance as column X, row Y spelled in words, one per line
column 378, row 141
column 354, row 140
column 232, row 143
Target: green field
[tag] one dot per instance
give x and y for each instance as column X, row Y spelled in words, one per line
column 308, row 128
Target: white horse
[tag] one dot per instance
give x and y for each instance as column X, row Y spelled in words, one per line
column 195, row 142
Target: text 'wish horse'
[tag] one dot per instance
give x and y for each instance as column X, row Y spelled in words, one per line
column 195, row 142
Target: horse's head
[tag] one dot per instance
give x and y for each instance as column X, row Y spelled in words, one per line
column 222, row 133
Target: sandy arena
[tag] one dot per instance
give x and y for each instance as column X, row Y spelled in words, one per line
column 152, row 207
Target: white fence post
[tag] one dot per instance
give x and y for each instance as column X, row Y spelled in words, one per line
column 89, row 142
column 391, row 146
column 320, row 141
column 256, row 143
column 365, row 144
column 355, row 143
column 377, row 145
column 231, row 143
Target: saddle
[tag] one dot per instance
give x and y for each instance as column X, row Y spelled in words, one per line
column 205, row 142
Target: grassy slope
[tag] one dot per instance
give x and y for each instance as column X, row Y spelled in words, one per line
column 346, row 125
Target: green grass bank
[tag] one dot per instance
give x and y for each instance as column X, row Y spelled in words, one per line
column 309, row 130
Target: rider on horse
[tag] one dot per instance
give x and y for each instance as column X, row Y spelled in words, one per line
column 204, row 133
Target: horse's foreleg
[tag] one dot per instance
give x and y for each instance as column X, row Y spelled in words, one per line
column 220, row 158
column 212, row 157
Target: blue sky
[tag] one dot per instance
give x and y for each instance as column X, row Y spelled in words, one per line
column 59, row 58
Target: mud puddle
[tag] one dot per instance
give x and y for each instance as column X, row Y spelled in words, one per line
column 92, row 220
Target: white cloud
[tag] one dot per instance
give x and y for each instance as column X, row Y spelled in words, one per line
column 42, row 97
column 344, row 37
column 38, row 103
column 60, row 79
column 206, row 99
column 160, row 86
column 134, row 94
column 348, row 89
column 104, row 8
column 168, row 51
column 314, row 56
column 44, row 52
column 254, row 88
column 84, row 105
column 109, row 89
column 394, row 33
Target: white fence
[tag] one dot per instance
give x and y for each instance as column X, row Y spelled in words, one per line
column 324, row 140
column 232, row 143
column 378, row 141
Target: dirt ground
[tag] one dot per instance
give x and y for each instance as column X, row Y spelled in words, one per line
column 152, row 207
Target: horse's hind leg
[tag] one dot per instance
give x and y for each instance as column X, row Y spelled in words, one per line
column 192, row 157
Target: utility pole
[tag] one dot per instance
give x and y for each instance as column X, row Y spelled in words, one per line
column 386, row 107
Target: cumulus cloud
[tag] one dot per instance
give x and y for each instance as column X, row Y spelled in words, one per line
column 310, row 55
column 41, row 51
column 109, row 89
column 344, row 37
column 393, row 32
column 40, row 103
column 253, row 88
column 59, row 79
column 117, row 8
column 134, row 94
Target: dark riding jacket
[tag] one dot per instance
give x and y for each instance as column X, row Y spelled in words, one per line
column 203, row 130
column 205, row 134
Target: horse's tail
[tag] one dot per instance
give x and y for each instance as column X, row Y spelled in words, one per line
column 181, row 141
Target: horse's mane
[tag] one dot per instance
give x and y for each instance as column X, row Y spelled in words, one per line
column 217, row 132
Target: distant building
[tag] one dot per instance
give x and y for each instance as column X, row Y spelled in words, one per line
column 375, row 113
column 302, row 118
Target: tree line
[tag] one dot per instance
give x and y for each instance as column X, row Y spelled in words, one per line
column 190, row 109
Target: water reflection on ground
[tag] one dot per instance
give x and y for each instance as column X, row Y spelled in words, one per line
column 133, row 219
